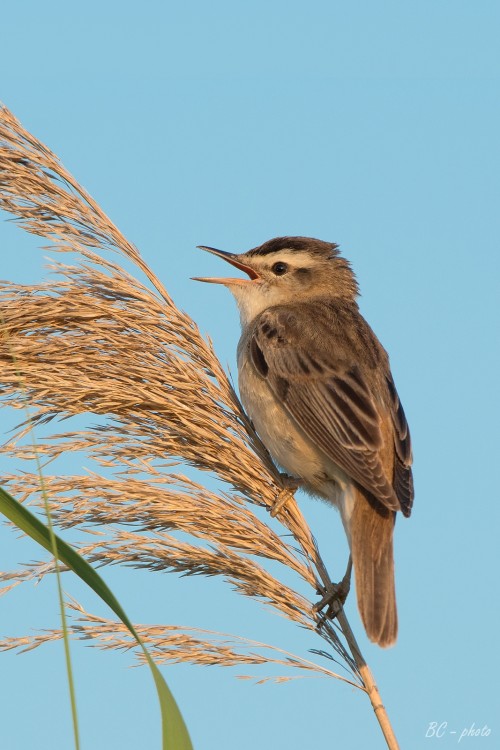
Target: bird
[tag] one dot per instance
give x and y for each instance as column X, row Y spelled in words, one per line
column 317, row 385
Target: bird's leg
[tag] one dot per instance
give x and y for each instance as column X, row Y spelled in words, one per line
column 336, row 594
column 290, row 485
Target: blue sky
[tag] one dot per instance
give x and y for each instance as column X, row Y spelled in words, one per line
column 374, row 126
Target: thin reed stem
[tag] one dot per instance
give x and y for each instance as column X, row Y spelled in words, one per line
column 57, row 567
column 369, row 683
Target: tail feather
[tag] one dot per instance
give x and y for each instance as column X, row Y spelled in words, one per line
column 371, row 532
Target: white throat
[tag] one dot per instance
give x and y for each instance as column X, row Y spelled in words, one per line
column 252, row 299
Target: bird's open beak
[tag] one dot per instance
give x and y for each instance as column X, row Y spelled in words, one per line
column 231, row 258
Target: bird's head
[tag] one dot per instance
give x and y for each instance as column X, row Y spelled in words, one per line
column 286, row 270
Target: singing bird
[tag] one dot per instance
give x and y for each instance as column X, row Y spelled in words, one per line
column 317, row 385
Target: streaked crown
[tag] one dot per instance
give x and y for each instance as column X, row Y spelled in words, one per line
column 310, row 245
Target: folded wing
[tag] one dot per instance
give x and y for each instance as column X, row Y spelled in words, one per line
column 333, row 404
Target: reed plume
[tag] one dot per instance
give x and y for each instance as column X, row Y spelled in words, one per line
column 95, row 339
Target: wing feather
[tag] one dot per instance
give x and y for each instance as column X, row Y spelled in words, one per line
column 330, row 399
column 403, row 477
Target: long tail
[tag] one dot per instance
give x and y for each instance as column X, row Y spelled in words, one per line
column 371, row 532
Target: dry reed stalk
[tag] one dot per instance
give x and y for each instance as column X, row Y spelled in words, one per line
column 174, row 644
column 95, row 339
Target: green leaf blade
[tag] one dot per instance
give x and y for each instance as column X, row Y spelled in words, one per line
column 175, row 735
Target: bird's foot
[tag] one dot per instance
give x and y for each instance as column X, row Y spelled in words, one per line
column 290, row 485
column 335, row 595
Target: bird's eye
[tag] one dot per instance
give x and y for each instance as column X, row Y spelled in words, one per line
column 279, row 268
